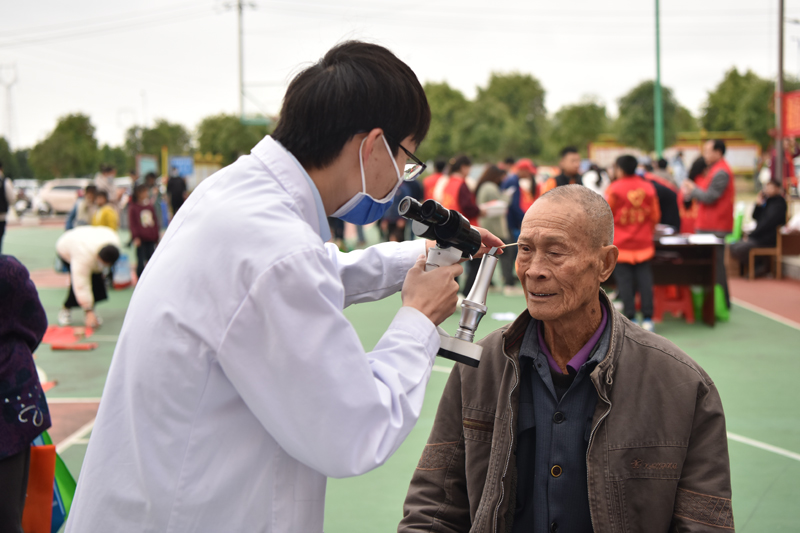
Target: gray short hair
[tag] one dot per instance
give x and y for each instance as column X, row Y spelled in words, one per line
column 601, row 219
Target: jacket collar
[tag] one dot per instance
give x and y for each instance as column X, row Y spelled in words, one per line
column 512, row 339
column 294, row 179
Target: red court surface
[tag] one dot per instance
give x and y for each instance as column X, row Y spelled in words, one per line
column 779, row 297
column 69, row 417
column 47, row 278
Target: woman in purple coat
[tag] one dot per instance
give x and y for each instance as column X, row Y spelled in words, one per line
column 24, row 408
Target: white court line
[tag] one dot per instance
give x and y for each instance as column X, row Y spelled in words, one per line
column 764, row 446
column 769, row 314
column 731, row 436
column 75, row 438
column 73, row 400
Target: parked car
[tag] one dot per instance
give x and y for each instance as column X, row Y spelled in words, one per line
column 59, row 195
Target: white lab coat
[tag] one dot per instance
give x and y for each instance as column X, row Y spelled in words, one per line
column 238, row 384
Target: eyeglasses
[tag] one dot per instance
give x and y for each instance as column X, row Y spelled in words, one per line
column 411, row 170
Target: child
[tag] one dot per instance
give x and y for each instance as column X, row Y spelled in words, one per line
column 144, row 226
column 105, row 215
column 634, row 202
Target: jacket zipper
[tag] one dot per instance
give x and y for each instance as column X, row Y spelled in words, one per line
column 609, row 381
column 511, row 441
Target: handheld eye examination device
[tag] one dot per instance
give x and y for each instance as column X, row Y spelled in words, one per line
column 455, row 239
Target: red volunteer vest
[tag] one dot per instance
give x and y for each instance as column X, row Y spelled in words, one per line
column 429, row 183
column 634, row 201
column 449, row 197
column 719, row 215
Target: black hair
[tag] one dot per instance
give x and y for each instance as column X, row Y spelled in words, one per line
column 458, row 162
column 139, row 188
column 627, row 164
column 1, row 165
column 108, row 254
column 509, row 161
column 599, row 172
column 356, row 87
column 698, row 167
column 102, row 193
column 719, row 146
column 568, row 150
column 662, row 163
column 150, row 175
column 439, row 164
column 91, row 189
column 648, row 167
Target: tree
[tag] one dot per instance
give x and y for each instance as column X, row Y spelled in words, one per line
column 578, row 125
column 10, row 164
column 636, row 123
column 22, row 157
column 117, row 157
column 523, row 95
column 175, row 137
column 70, row 150
column 756, row 111
column 721, row 110
column 226, row 135
column 485, row 130
column 445, row 103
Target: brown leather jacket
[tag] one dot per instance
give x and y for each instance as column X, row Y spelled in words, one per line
column 657, row 456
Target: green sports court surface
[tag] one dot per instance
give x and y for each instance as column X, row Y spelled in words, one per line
column 754, row 360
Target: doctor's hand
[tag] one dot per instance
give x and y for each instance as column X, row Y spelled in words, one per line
column 488, row 241
column 434, row 293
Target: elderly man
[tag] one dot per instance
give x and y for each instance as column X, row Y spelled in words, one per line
column 576, row 420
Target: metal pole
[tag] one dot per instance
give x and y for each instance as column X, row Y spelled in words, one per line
column 659, row 107
column 9, row 109
column 240, row 8
column 779, row 157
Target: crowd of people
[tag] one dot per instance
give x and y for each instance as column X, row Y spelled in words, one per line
column 646, row 196
column 91, row 245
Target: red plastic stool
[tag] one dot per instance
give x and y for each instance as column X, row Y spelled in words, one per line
column 675, row 299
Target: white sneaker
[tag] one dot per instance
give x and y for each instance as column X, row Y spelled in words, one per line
column 64, row 317
column 648, row 325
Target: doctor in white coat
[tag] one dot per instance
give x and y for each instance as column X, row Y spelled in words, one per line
column 238, row 385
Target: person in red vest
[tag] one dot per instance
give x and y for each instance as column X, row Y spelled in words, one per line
column 688, row 209
column 715, row 195
column 429, row 183
column 453, row 193
column 634, row 203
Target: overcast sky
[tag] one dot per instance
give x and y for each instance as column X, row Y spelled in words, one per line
column 126, row 63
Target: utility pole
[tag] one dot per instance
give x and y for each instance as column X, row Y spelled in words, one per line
column 779, row 158
column 658, row 104
column 8, row 83
column 240, row 14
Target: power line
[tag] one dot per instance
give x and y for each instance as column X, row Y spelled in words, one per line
column 85, row 23
column 118, row 27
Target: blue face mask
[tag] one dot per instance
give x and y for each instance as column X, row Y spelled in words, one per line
column 362, row 208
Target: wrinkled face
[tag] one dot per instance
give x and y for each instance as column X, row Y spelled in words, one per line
column 709, row 154
column 559, row 266
column 570, row 164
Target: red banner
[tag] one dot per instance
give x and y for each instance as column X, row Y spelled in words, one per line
column 791, row 114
